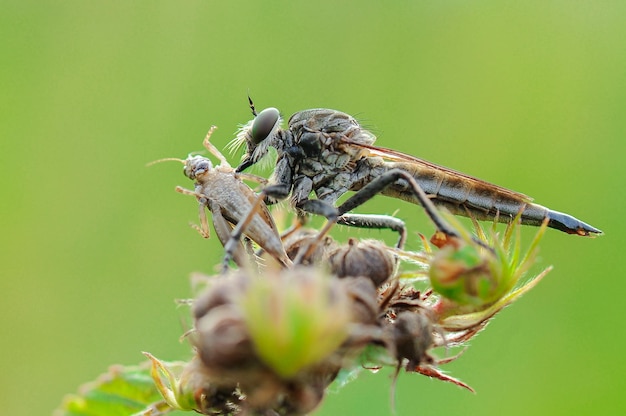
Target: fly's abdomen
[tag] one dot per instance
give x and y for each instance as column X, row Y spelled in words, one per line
column 467, row 196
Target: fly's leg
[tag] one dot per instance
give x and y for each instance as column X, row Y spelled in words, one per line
column 224, row 229
column 379, row 184
column 283, row 178
column 332, row 215
column 230, row 246
column 277, row 192
column 203, row 228
column 372, row 221
column 232, row 243
column 377, row 222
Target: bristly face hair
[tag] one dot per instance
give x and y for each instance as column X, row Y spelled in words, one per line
column 257, row 148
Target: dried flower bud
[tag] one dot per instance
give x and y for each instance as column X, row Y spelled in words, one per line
column 210, row 398
column 364, row 307
column 411, row 336
column 274, row 339
column 223, row 339
column 302, row 239
column 369, row 258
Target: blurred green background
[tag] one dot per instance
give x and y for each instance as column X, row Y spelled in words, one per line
column 95, row 246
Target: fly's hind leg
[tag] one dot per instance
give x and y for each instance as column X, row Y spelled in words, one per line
column 379, row 184
column 377, row 222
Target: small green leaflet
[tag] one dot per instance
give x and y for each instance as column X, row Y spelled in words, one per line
column 123, row 390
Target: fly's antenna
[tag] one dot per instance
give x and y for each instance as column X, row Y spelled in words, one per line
column 166, row 159
column 252, row 106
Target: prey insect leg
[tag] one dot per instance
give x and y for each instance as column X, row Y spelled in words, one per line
column 221, row 225
column 214, row 150
column 203, row 228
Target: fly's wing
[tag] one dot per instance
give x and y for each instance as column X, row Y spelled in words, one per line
column 395, row 156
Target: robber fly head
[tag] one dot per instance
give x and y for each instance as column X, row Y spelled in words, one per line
column 258, row 135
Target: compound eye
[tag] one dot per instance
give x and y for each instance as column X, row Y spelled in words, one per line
column 264, row 123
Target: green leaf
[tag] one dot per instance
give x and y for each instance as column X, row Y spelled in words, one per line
column 123, row 390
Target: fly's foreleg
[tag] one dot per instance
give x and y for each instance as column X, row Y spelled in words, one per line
column 274, row 193
column 232, row 245
column 224, row 229
column 282, row 182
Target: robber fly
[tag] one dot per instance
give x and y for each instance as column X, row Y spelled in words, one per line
column 327, row 152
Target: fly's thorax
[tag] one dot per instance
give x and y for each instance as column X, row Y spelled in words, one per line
column 327, row 166
column 326, row 140
column 330, row 122
column 322, row 119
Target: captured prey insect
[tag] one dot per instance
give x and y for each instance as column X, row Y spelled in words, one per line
column 221, row 190
column 327, row 152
